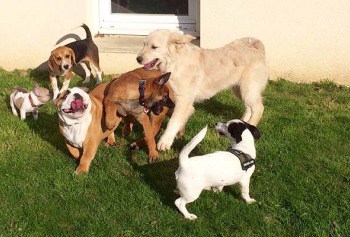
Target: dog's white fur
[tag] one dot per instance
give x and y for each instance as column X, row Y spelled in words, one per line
column 198, row 74
column 75, row 126
column 214, row 170
column 26, row 106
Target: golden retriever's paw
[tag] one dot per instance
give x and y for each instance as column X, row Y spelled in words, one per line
column 164, row 144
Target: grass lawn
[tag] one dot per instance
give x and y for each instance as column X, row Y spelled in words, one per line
column 301, row 183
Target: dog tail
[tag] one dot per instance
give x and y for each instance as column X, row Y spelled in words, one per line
column 87, row 30
column 191, row 145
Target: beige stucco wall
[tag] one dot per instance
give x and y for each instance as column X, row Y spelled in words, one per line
column 30, row 29
column 304, row 40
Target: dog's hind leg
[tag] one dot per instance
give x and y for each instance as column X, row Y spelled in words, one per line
column 98, row 73
column 250, row 91
column 75, row 152
column 87, row 72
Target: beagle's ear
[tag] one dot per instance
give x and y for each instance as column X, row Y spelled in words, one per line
column 163, row 79
column 53, row 64
column 177, row 38
column 72, row 55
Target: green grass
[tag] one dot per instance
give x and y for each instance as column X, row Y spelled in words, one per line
column 301, row 183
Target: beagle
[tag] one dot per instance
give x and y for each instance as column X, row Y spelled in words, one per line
column 63, row 58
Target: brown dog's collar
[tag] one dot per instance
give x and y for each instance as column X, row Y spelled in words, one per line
column 142, row 99
column 32, row 102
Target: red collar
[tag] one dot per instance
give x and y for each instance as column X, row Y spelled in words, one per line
column 142, row 99
column 32, row 102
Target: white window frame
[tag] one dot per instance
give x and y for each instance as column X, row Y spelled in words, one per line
column 143, row 24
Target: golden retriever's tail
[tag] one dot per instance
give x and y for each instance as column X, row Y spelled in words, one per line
column 191, row 145
column 255, row 43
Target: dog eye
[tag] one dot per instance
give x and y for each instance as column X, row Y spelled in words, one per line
column 154, row 47
column 67, row 55
column 59, row 58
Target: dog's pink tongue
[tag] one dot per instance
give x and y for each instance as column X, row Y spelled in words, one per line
column 148, row 66
column 78, row 103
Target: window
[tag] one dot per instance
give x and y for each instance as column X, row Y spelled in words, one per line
column 140, row 17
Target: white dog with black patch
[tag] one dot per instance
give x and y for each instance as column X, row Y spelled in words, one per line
column 218, row 169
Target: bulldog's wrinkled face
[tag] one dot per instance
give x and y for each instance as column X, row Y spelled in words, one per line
column 73, row 103
column 235, row 128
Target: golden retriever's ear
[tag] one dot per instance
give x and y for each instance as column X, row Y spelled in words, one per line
column 72, row 55
column 177, row 38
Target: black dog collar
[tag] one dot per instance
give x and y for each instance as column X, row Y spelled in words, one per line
column 142, row 99
column 245, row 159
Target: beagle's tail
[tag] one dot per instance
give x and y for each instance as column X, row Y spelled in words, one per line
column 191, row 145
column 87, row 30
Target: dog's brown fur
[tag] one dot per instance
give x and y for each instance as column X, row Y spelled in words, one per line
column 123, row 100
column 97, row 130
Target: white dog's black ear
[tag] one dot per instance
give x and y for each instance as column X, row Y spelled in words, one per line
column 255, row 132
column 236, row 130
column 177, row 38
column 163, row 79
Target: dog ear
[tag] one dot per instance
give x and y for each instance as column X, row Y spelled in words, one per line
column 36, row 88
column 72, row 56
column 163, row 79
column 53, row 65
column 177, row 38
column 236, row 130
column 255, row 132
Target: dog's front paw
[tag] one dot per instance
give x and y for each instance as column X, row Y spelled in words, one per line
column 164, row 143
column 153, row 156
column 250, row 200
column 191, row 217
column 134, row 146
column 81, row 170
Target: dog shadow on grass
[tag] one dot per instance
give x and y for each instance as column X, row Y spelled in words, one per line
column 47, row 128
column 160, row 176
column 223, row 110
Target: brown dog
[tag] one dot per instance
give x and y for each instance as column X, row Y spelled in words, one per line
column 82, row 123
column 134, row 93
column 63, row 58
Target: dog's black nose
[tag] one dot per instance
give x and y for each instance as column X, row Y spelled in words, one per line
column 139, row 59
column 77, row 96
column 66, row 66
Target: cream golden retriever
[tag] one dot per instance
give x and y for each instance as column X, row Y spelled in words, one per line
column 198, row 74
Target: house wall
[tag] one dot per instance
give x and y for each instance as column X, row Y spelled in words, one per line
column 304, row 40
column 31, row 29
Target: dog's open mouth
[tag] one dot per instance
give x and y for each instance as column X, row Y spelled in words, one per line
column 221, row 133
column 77, row 106
column 150, row 65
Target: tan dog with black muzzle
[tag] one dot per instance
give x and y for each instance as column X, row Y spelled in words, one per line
column 135, row 93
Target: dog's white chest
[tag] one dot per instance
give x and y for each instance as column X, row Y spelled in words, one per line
column 76, row 133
